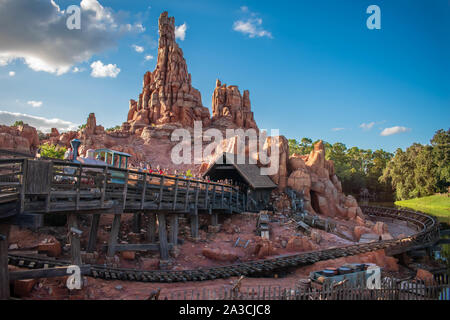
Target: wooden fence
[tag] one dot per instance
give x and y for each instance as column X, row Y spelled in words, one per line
column 391, row 289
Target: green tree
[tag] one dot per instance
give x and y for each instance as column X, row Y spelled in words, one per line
column 52, row 151
column 18, row 123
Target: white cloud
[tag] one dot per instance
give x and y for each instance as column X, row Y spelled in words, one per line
column 35, row 32
column 76, row 70
column 337, row 129
column 394, row 130
column 35, row 104
column 40, row 123
column 251, row 25
column 367, row 126
column 100, row 70
column 244, row 9
column 138, row 48
column 149, row 57
column 12, row 73
column 180, row 31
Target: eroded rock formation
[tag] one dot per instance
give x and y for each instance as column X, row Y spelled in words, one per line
column 23, row 138
column 315, row 177
column 230, row 108
column 167, row 95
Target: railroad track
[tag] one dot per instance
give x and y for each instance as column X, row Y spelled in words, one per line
column 427, row 233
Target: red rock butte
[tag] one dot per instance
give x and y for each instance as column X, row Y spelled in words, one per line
column 168, row 96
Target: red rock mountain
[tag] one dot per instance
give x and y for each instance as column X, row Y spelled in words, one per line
column 167, row 94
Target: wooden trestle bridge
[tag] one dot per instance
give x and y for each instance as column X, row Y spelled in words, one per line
column 56, row 186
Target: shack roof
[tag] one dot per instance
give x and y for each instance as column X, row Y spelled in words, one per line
column 250, row 172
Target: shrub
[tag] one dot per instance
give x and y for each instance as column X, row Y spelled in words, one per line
column 52, row 151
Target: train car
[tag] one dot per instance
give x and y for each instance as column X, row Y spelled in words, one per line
column 365, row 275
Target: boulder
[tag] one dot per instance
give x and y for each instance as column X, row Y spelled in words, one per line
column 380, row 228
column 219, row 255
column 358, row 231
column 425, row 276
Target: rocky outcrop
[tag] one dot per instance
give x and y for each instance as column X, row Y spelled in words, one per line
column 315, row 177
column 167, row 94
column 271, row 145
column 23, row 138
column 231, row 109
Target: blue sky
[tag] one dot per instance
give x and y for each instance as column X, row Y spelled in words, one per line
column 313, row 68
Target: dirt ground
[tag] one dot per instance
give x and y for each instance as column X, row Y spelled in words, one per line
column 190, row 256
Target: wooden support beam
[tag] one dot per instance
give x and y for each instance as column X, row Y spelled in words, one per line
column 95, row 220
column 114, row 235
column 136, row 222
column 197, row 190
column 45, row 273
column 223, row 198
column 144, row 190
column 161, row 190
column 125, row 190
column 105, row 178
column 230, row 202
column 151, row 231
column 4, row 274
column 186, row 202
column 141, row 247
column 175, row 195
column 74, row 239
column 214, row 197
column 173, row 237
column 163, row 244
column 214, row 218
column 207, row 196
column 194, row 224
column 23, row 186
column 77, row 201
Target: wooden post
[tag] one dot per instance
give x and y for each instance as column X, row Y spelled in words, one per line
column 136, row 222
column 74, row 239
column 163, row 245
column 114, row 234
column 77, row 201
column 4, row 274
column 207, row 196
column 174, row 229
column 105, row 178
column 186, row 202
column 174, row 205
column 214, row 218
column 161, row 189
column 93, row 232
column 194, row 224
column 151, row 232
column 144, row 189
column 214, row 197
column 22, row 186
column 223, row 194
column 125, row 190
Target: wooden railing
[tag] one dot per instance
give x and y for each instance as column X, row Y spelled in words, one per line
column 59, row 186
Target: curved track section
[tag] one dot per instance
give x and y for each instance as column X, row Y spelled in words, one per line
column 427, row 234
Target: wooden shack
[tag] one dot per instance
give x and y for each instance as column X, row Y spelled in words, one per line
column 247, row 176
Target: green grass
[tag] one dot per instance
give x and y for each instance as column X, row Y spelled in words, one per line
column 435, row 205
